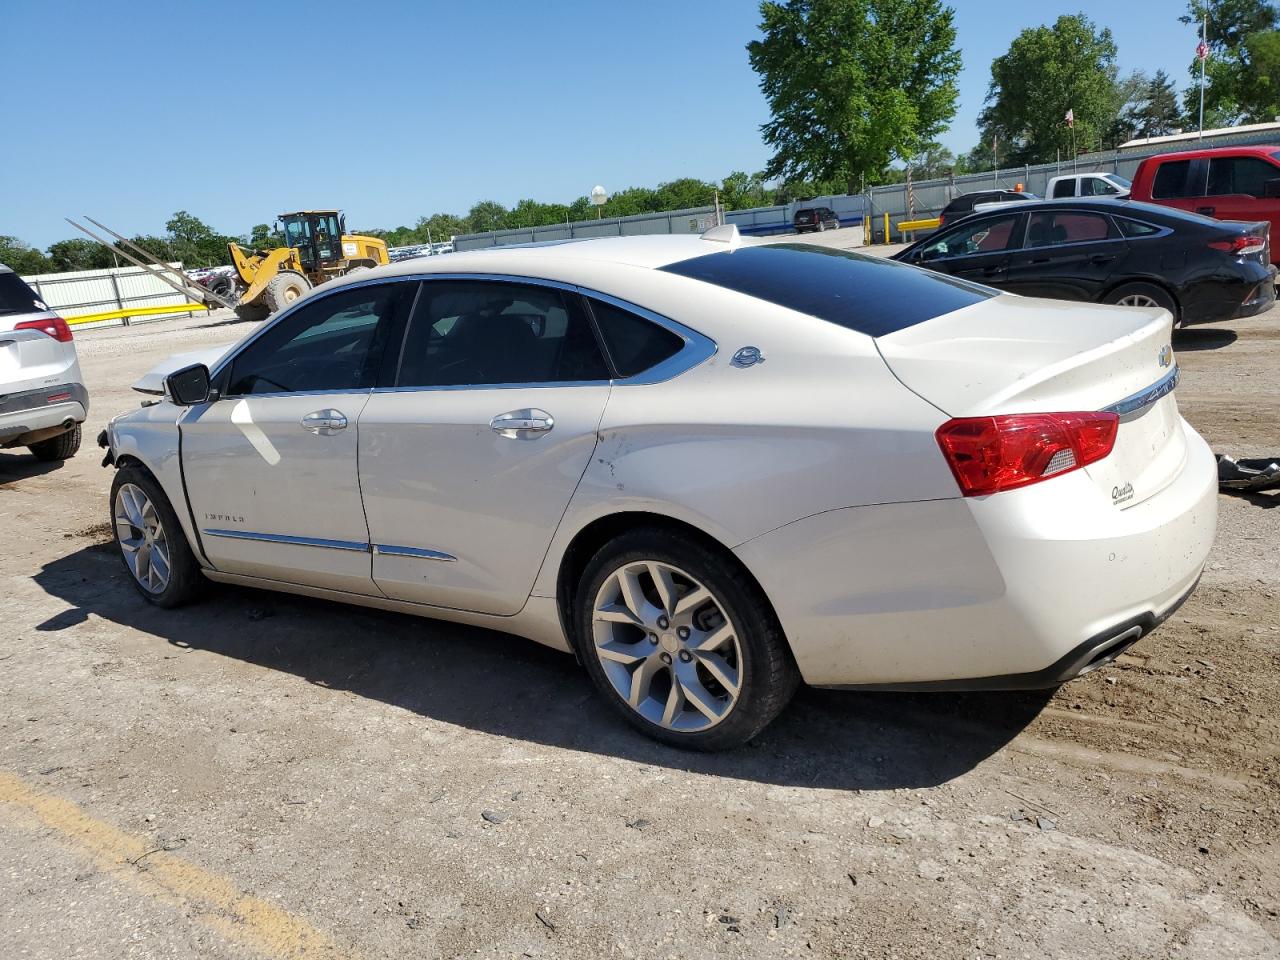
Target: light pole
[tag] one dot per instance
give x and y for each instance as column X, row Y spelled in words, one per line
column 599, row 196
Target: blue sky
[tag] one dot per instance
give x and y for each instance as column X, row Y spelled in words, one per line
column 397, row 109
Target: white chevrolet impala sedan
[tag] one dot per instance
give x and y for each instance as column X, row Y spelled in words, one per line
column 712, row 470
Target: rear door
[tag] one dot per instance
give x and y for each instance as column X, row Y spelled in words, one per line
column 977, row 248
column 1068, row 255
column 467, row 464
column 1237, row 190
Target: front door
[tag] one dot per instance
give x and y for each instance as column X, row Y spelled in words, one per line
column 976, row 250
column 270, row 466
column 468, row 464
column 1068, row 255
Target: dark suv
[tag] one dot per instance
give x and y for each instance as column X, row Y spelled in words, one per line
column 816, row 218
column 963, row 205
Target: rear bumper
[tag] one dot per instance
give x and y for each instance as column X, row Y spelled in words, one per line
column 1260, row 299
column 28, row 417
column 1024, row 589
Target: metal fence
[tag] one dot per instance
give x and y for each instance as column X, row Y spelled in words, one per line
column 780, row 219
column 930, row 196
column 694, row 220
column 95, row 291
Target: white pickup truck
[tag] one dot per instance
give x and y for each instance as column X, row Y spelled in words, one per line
column 1093, row 184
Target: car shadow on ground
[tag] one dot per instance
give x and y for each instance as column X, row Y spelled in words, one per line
column 1203, row 338
column 17, row 466
column 511, row 687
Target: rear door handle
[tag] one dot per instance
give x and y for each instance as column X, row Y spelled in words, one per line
column 1206, row 211
column 324, row 423
column 526, row 424
column 1101, row 258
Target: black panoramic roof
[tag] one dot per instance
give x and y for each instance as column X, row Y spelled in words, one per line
column 871, row 295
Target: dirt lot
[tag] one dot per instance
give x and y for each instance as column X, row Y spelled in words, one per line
column 262, row 775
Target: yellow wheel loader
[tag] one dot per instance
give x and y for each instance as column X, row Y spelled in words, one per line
column 317, row 249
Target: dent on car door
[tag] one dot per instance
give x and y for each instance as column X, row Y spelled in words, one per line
column 468, row 463
column 270, row 466
column 1068, row 255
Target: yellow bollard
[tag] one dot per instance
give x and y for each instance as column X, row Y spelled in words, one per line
column 886, row 226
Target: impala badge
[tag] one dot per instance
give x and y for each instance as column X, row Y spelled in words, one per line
column 1166, row 355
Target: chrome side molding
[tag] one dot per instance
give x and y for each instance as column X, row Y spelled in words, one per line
column 386, row 549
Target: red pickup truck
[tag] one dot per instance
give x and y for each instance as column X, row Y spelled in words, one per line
column 1229, row 183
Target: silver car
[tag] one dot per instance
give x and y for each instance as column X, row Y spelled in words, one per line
column 43, row 401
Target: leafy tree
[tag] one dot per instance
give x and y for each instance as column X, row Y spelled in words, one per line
column 1243, row 69
column 79, row 254
column 158, row 247
column 740, row 190
column 853, row 84
column 486, row 215
column 439, row 227
column 21, row 258
column 1046, row 72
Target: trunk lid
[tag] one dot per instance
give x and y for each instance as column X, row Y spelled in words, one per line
column 1022, row 355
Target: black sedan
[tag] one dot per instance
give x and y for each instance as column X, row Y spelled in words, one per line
column 1110, row 251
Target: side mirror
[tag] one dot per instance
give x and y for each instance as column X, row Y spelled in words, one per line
column 188, row 386
column 1271, row 189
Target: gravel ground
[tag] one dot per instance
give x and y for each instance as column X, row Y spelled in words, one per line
column 262, row 775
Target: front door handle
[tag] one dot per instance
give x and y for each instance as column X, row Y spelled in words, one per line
column 1206, row 211
column 324, row 423
column 1101, row 258
column 526, row 424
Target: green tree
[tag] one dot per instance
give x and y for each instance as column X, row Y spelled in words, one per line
column 22, row 258
column 486, row 215
column 1243, row 69
column 853, row 84
column 158, row 247
column 441, row 227
column 79, row 254
column 1046, row 72
column 1160, row 115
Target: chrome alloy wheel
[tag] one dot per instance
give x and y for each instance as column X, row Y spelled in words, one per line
column 1137, row 300
column 667, row 646
column 142, row 538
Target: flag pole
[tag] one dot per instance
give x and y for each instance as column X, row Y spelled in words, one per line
column 1204, row 45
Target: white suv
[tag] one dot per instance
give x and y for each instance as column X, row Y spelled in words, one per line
column 43, row 401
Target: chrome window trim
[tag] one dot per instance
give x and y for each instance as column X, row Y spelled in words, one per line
column 698, row 347
column 350, row 545
column 420, row 553
column 1144, row 398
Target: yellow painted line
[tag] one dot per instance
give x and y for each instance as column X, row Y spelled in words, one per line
column 136, row 312
column 205, row 898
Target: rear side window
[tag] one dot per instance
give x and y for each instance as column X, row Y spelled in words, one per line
column 1133, row 228
column 1064, row 188
column 16, row 296
column 1240, row 175
column 867, row 294
column 634, row 344
column 1047, row 229
column 479, row 332
column 1173, row 180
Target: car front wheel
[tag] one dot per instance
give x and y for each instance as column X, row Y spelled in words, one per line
column 679, row 641
column 152, row 546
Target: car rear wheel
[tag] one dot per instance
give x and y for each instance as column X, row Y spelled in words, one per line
column 153, row 547
column 61, row 447
column 678, row 640
column 1142, row 295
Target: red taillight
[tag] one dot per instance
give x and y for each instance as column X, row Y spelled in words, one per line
column 54, row 327
column 1241, row 245
column 990, row 454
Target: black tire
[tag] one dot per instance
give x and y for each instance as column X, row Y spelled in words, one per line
column 769, row 676
column 284, row 288
column 224, row 287
column 253, row 311
column 358, row 268
column 1159, row 296
column 186, row 582
column 61, row 447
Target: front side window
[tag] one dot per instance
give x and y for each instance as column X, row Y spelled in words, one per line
column 336, row 342
column 1174, row 180
column 1049, row 228
column 1098, row 187
column 1240, row 175
column 986, row 236
column 477, row 333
